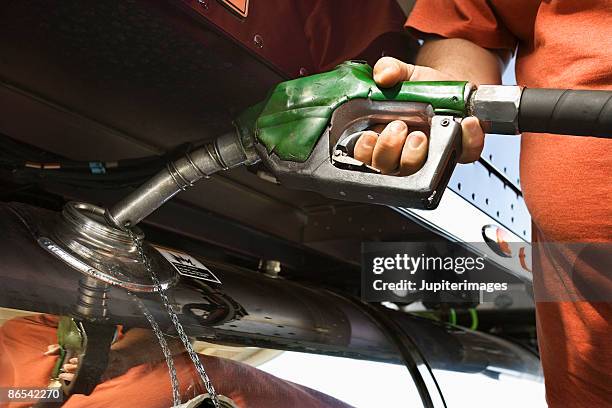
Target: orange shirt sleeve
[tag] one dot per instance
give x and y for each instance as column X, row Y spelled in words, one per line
column 472, row 20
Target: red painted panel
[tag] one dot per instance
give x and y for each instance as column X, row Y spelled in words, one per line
column 300, row 37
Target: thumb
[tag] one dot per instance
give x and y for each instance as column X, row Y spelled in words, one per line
column 52, row 350
column 388, row 71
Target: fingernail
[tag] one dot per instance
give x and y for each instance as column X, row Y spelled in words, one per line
column 49, row 351
column 389, row 70
column 398, row 126
column 385, row 73
column 370, row 140
column 415, row 141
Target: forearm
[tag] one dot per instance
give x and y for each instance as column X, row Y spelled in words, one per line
column 139, row 346
column 463, row 60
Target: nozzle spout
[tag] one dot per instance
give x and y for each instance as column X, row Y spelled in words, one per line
column 224, row 153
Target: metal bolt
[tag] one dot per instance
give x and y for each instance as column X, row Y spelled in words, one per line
column 303, row 71
column 503, row 301
column 431, row 198
column 271, row 268
column 204, row 4
column 258, row 41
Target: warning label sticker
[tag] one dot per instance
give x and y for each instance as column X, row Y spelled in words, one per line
column 187, row 265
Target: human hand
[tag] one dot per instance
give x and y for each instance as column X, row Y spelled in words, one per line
column 117, row 364
column 398, row 149
column 69, row 368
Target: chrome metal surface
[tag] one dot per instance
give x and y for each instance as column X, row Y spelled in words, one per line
column 203, row 399
column 271, row 268
column 83, row 240
column 226, row 152
column 497, row 108
column 231, row 151
column 92, row 301
column 467, row 93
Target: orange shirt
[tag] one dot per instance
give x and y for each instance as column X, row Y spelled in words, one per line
column 22, row 364
column 566, row 181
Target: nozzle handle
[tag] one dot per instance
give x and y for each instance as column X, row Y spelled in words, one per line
column 322, row 173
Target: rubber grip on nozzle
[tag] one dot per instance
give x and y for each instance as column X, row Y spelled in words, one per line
column 566, row 112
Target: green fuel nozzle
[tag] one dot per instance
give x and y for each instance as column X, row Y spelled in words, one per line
column 296, row 113
column 306, row 128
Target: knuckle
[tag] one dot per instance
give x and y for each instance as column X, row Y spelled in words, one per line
column 396, row 126
column 408, row 170
column 385, row 61
column 412, row 162
column 363, row 156
column 368, row 136
column 473, row 143
column 388, row 143
column 469, row 156
column 422, row 73
column 386, row 169
column 385, row 164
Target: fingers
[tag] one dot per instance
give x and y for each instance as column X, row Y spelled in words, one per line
column 395, row 149
column 472, row 140
column 414, row 153
column 388, row 149
column 67, row 376
column 389, row 71
column 364, row 148
column 70, row 368
column 52, row 349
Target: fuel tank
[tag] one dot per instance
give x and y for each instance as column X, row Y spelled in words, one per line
column 247, row 308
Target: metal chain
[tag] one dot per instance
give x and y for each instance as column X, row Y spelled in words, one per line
column 177, row 325
column 176, row 395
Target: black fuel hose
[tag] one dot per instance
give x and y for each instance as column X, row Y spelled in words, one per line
column 565, row 111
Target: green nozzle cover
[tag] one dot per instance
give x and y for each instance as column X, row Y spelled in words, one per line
column 292, row 118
